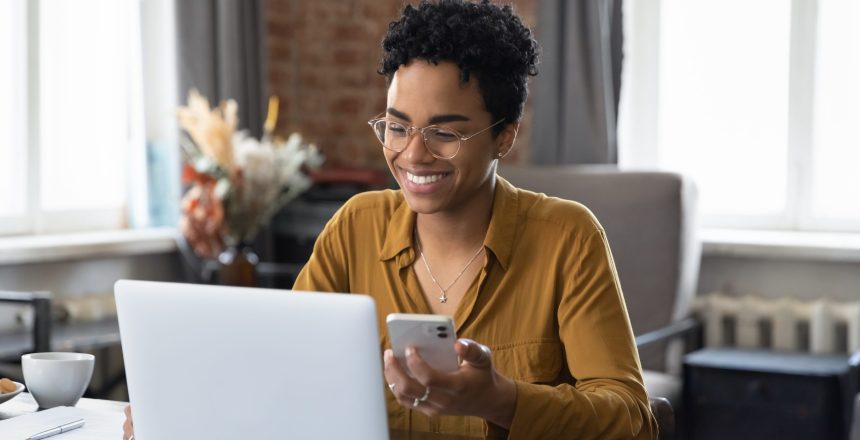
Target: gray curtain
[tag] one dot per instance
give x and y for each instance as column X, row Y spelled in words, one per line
column 577, row 90
column 221, row 53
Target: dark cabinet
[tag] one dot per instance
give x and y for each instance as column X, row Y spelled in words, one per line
column 751, row 394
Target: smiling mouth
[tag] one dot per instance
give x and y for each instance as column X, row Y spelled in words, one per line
column 425, row 180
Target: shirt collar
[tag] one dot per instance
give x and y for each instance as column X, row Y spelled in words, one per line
column 399, row 235
column 504, row 222
column 500, row 234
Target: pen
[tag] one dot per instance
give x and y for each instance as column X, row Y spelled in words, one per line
column 58, row 430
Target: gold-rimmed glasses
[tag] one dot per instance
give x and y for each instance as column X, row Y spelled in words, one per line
column 441, row 142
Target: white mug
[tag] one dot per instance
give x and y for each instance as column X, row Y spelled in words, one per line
column 57, row 379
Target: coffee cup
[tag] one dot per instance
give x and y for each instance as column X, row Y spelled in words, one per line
column 57, row 379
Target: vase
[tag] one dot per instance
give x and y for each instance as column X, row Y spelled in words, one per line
column 237, row 266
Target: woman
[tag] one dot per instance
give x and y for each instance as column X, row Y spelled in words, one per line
column 548, row 351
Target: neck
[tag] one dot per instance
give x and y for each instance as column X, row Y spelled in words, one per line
column 460, row 231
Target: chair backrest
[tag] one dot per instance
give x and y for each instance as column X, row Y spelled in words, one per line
column 649, row 218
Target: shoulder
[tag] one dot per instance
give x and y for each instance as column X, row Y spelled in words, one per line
column 367, row 208
column 540, row 210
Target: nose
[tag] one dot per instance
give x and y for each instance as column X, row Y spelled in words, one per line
column 416, row 151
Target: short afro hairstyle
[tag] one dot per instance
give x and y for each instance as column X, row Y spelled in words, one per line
column 481, row 38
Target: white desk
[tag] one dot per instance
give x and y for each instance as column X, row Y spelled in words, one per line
column 24, row 404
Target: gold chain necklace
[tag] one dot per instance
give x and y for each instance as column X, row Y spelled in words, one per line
column 444, row 297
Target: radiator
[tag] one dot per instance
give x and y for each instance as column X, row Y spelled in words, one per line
column 819, row 326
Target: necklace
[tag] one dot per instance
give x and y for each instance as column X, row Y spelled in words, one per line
column 444, row 297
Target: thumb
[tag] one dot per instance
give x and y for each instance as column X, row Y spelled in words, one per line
column 475, row 354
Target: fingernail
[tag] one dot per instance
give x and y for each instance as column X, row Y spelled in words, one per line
column 386, row 355
column 410, row 351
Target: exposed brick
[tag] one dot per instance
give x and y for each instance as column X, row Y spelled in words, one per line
column 348, row 105
column 347, row 57
column 323, row 56
column 350, row 31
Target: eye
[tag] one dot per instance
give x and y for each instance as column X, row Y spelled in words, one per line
column 396, row 129
column 442, row 135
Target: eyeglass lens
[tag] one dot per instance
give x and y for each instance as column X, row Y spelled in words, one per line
column 395, row 136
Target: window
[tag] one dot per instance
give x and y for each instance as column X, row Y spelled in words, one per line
column 73, row 72
column 13, row 60
column 756, row 101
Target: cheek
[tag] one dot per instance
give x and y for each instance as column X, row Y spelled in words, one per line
column 389, row 159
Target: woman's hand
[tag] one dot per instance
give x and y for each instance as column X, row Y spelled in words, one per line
column 128, row 426
column 475, row 389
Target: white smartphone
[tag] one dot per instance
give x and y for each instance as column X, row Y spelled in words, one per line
column 432, row 335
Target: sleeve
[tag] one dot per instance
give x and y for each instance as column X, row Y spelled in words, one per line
column 608, row 400
column 327, row 270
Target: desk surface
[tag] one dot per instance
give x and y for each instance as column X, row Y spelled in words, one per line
column 24, row 404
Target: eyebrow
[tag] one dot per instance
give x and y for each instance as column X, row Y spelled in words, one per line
column 437, row 119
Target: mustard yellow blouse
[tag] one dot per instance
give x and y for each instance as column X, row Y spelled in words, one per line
column 547, row 302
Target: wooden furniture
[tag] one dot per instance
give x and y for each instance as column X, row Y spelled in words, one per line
column 736, row 393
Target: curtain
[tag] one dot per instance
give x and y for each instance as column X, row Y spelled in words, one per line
column 577, row 90
column 221, row 53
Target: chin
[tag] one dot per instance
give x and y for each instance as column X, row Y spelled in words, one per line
column 424, row 205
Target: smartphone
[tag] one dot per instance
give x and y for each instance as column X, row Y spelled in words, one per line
column 432, row 335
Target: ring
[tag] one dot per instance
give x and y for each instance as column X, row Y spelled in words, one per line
column 425, row 396
column 416, row 402
column 391, row 386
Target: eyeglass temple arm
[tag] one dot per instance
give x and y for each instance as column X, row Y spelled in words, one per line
column 466, row 138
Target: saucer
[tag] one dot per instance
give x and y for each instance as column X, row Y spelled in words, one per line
column 8, row 396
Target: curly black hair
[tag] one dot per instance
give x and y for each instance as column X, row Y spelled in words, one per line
column 481, row 38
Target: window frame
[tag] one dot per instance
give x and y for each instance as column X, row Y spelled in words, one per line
column 642, row 101
column 35, row 220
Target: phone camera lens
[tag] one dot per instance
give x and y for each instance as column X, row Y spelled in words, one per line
column 443, row 335
column 441, row 328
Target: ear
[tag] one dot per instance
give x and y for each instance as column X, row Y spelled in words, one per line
column 505, row 140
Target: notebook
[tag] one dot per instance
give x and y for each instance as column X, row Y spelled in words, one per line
column 98, row 425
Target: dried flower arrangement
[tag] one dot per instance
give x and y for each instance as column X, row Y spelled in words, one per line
column 236, row 183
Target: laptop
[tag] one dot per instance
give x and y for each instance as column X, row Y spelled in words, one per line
column 220, row 362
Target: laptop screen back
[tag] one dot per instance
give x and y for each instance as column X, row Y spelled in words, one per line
column 226, row 362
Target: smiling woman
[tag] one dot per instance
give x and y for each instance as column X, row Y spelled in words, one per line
column 529, row 281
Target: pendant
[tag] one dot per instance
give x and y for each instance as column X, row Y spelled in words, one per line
column 443, row 299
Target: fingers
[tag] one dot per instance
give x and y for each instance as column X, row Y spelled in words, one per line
column 128, row 425
column 475, row 354
column 439, row 387
column 422, row 371
column 406, row 389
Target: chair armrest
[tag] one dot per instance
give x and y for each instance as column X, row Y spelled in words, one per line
column 665, row 415
column 854, row 430
column 687, row 327
column 41, row 302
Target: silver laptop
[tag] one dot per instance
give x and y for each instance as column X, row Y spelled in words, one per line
column 228, row 363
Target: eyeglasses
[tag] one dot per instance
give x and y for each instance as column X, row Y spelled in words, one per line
column 441, row 142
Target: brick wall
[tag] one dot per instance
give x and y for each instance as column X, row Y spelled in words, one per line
column 323, row 56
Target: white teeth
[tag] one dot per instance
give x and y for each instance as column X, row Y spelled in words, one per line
column 423, row 180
